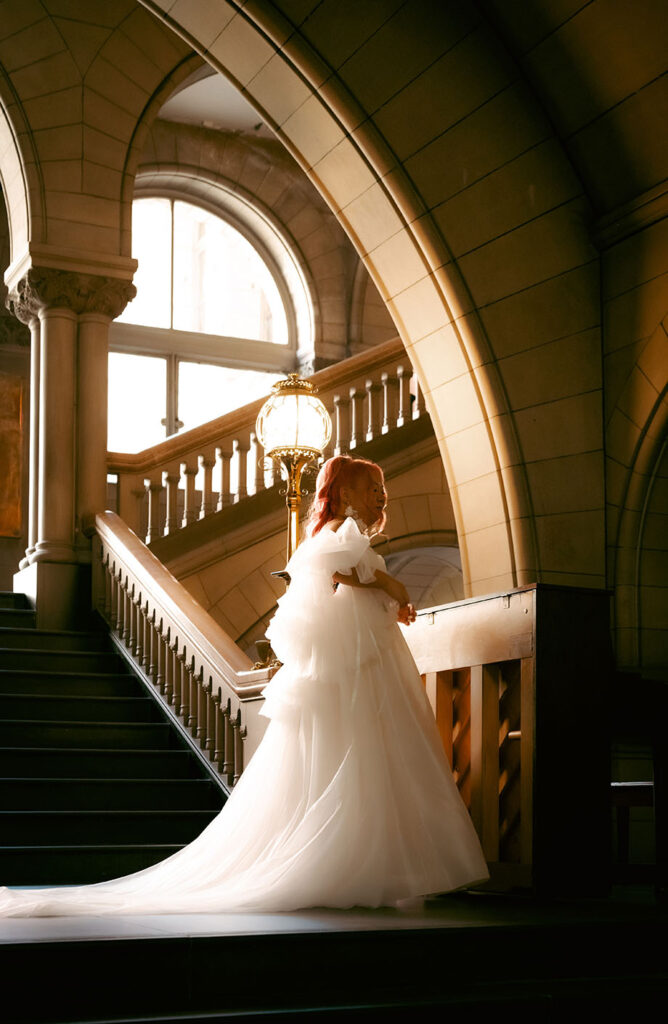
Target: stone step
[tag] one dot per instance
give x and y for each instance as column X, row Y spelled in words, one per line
column 103, row 763
column 10, row 599
column 90, row 827
column 59, row 708
column 61, row 661
column 52, row 794
column 17, row 618
column 52, row 640
column 128, row 735
column 79, row 865
column 81, row 684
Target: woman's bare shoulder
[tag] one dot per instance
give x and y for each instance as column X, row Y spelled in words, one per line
column 333, row 524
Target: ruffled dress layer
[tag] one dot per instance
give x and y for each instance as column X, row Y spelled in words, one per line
column 349, row 799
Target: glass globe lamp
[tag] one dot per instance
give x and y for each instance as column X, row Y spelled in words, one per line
column 293, row 427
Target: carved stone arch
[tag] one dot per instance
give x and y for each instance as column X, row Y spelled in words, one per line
column 643, row 466
column 427, row 298
column 20, row 176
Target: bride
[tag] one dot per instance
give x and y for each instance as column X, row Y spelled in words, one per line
column 349, row 799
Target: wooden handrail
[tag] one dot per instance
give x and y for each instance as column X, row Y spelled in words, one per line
column 204, row 633
column 189, row 658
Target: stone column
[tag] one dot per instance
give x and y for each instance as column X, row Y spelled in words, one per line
column 33, row 454
column 102, row 299
column 57, row 397
column 70, row 315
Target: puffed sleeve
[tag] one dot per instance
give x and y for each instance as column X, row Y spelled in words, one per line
column 330, row 552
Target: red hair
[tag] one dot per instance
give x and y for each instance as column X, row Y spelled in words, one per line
column 338, row 472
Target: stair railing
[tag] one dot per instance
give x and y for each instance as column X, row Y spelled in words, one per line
column 204, row 677
column 195, row 474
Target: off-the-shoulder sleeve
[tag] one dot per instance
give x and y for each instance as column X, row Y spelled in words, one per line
column 331, row 552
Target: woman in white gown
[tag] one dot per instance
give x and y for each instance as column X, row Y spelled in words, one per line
column 349, row 799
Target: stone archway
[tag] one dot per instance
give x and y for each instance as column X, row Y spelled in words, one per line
column 409, row 263
column 486, row 305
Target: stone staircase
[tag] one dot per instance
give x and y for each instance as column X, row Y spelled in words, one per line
column 95, row 779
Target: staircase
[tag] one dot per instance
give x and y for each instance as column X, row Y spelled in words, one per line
column 95, row 779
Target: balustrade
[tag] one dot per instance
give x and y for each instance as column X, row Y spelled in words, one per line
column 193, row 475
column 200, row 673
column 516, row 683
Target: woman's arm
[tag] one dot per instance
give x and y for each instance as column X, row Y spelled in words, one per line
column 393, row 587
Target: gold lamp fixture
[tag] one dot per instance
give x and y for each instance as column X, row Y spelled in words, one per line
column 294, row 428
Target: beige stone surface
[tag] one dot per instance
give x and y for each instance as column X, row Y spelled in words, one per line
column 503, row 167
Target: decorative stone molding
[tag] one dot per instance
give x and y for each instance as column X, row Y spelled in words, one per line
column 12, row 332
column 47, row 288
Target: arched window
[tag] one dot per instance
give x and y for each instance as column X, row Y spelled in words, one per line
column 210, row 329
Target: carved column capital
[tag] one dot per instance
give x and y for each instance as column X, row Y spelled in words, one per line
column 48, row 288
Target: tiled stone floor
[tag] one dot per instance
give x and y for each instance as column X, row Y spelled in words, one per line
column 468, row 910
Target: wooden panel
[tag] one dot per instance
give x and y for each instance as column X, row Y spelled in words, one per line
column 474, row 632
column 485, row 756
column 11, row 447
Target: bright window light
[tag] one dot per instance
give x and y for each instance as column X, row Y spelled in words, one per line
column 197, row 273
column 137, row 401
column 206, row 392
column 151, row 247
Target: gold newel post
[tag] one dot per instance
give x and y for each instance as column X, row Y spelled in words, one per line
column 294, row 428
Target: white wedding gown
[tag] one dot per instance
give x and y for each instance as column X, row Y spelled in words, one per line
column 349, row 799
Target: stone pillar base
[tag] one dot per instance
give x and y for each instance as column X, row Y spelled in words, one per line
column 61, row 593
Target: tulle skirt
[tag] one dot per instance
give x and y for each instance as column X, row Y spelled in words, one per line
column 348, row 800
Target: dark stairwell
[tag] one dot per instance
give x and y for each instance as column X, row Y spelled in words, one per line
column 95, row 779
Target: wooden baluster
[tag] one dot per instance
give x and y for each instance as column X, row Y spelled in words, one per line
column 417, row 398
column 127, row 614
column 146, row 638
column 241, row 449
column 341, row 409
column 224, row 455
column 258, row 456
column 210, row 718
column 356, row 429
column 153, row 639
column 402, row 412
column 183, row 673
column 138, row 646
column 390, row 386
column 201, row 709
column 163, row 658
column 172, row 484
column 154, row 490
column 228, row 760
column 180, row 680
column 113, row 602
column 120, row 605
column 238, row 746
column 170, row 668
column 219, row 738
column 189, row 505
column 208, row 504
column 374, row 411
column 194, row 699
column 105, row 602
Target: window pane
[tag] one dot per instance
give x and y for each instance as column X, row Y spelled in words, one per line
column 221, row 284
column 206, row 392
column 137, row 401
column 151, row 245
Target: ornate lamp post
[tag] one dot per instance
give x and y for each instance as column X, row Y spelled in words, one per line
column 293, row 427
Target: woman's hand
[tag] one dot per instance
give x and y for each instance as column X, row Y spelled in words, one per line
column 406, row 614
